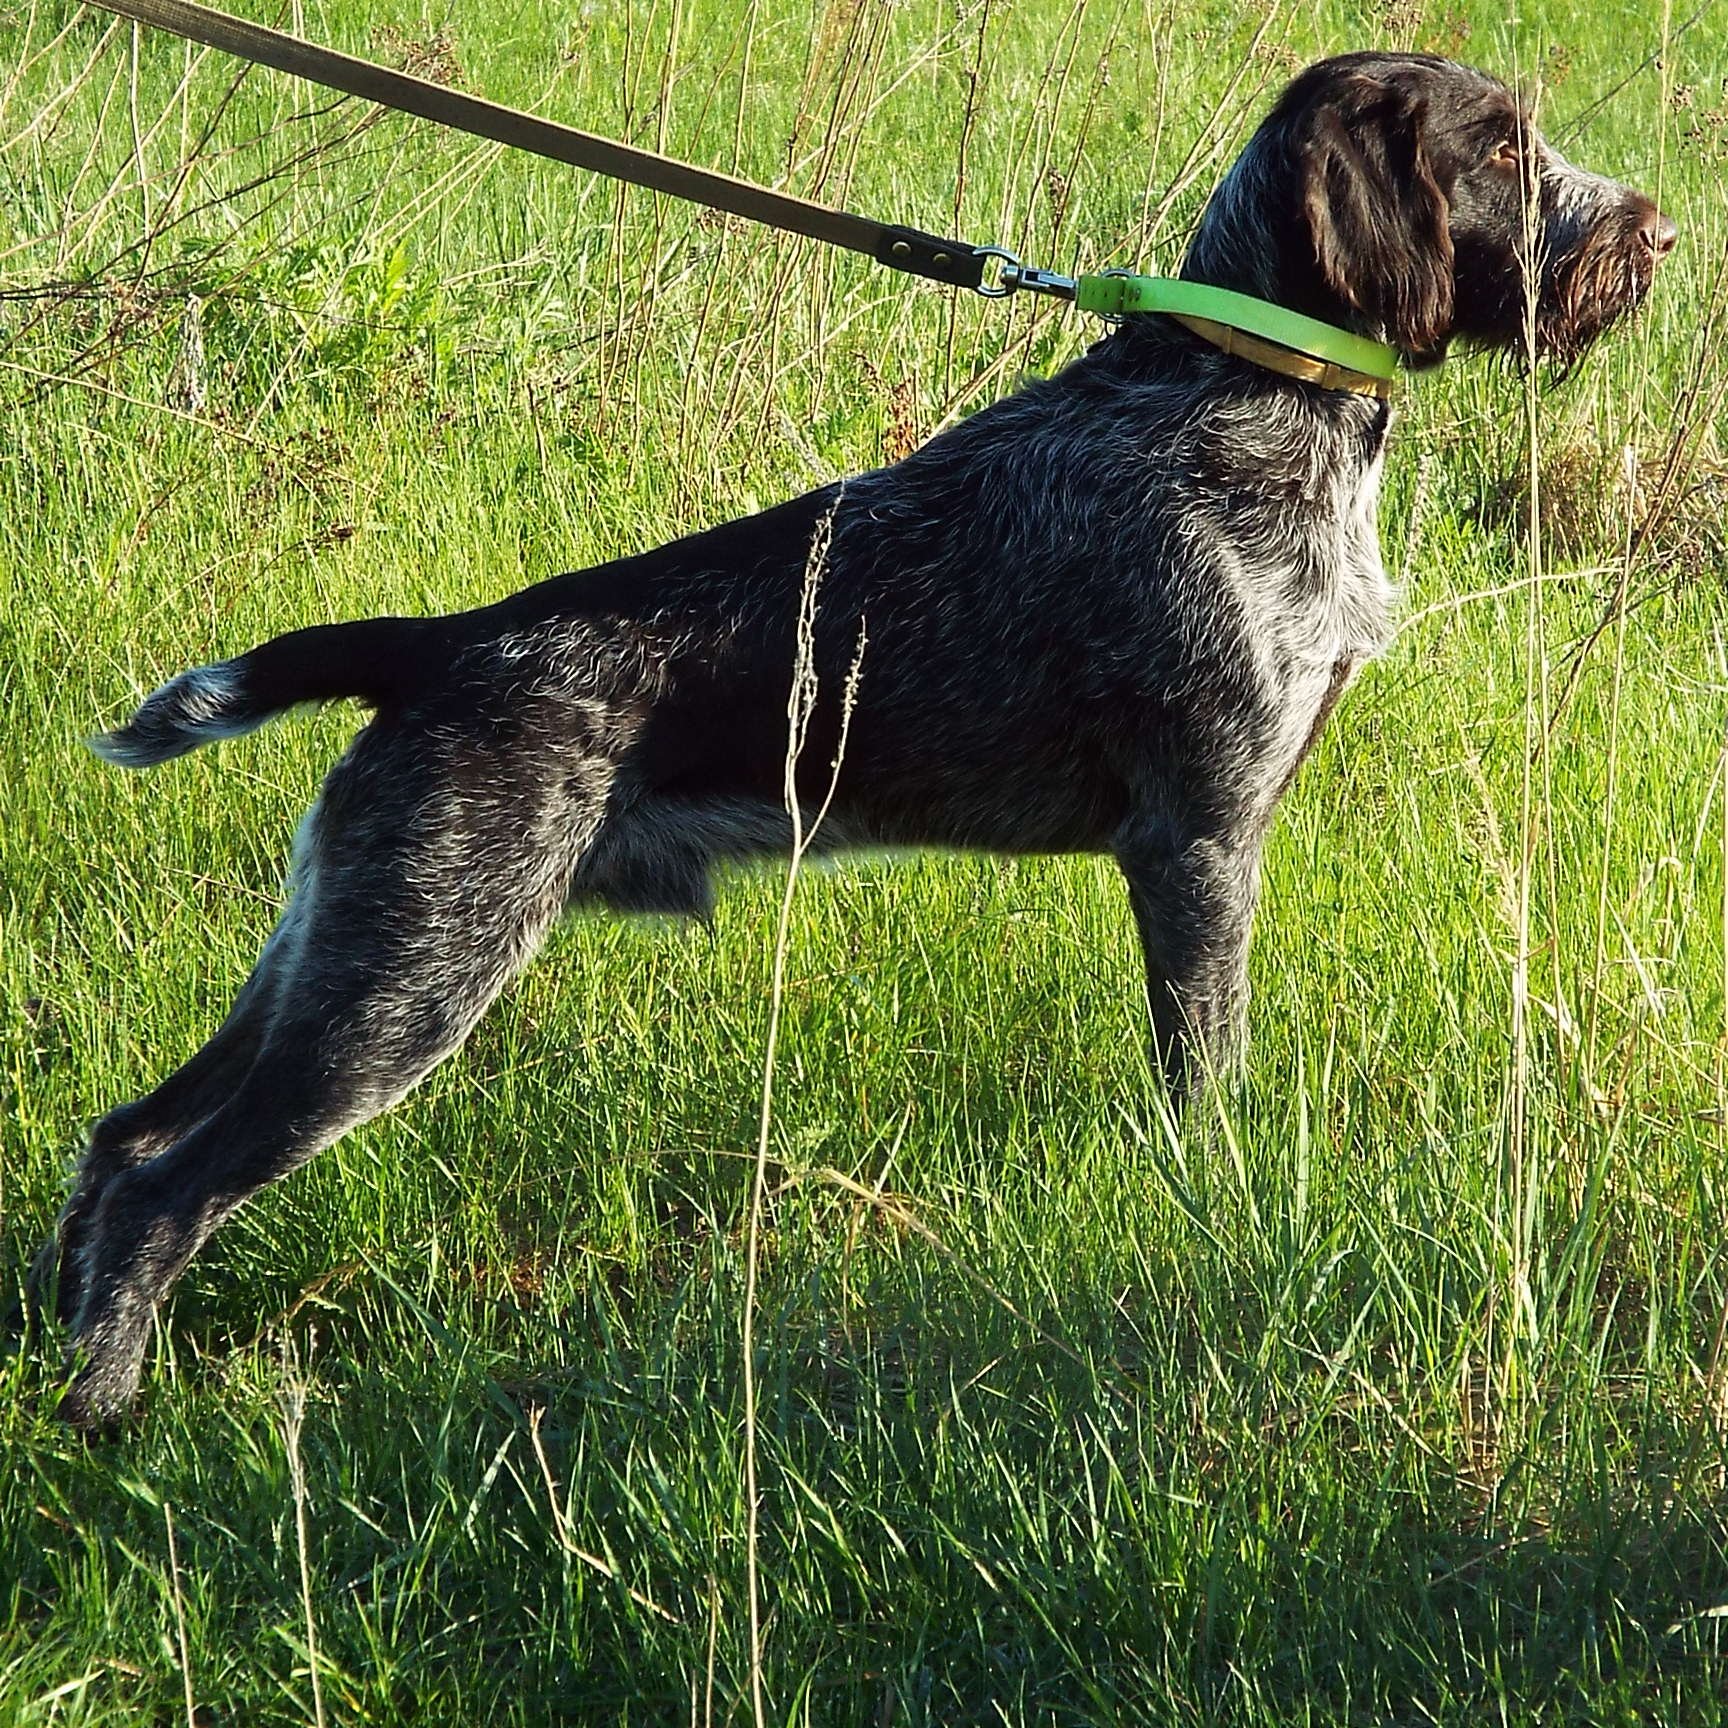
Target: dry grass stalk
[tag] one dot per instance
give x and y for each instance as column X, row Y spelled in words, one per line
column 179, row 1599
column 561, row 1529
column 293, row 1421
column 800, row 709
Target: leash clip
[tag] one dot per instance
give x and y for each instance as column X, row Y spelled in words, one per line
column 1027, row 278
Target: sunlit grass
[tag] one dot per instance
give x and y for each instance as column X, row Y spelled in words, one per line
column 1318, row 1409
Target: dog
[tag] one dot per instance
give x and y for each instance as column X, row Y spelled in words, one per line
column 1109, row 613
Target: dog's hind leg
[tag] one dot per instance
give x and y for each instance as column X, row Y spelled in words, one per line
column 133, row 1133
column 410, row 919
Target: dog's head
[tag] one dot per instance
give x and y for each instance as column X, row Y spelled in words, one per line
column 1412, row 200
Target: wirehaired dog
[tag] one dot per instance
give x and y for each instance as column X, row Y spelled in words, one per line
column 1109, row 613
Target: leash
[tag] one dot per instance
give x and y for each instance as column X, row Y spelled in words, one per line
column 1257, row 330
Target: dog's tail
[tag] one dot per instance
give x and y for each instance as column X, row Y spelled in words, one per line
column 377, row 660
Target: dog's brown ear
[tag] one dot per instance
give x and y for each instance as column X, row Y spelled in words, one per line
column 1379, row 216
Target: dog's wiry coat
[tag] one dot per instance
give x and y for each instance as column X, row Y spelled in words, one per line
column 1108, row 614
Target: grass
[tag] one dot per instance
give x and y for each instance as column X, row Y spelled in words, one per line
column 1389, row 1390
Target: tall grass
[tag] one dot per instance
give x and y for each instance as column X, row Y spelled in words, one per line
column 1390, row 1389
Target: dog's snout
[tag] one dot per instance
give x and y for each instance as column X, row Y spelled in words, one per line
column 1657, row 232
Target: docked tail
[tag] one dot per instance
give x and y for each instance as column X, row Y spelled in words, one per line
column 378, row 661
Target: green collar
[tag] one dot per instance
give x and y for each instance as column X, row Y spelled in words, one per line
column 1113, row 295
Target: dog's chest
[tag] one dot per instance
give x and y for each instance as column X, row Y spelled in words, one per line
column 1322, row 616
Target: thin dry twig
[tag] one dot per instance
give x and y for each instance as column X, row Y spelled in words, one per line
column 1698, row 408
column 56, row 378
column 293, row 1420
column 180, row 1617
column 800, row 709
column 561, row 1529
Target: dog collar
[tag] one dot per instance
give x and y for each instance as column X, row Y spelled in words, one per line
column 1271, row 336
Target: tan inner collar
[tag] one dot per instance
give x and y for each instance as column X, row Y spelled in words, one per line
column 1328, row 374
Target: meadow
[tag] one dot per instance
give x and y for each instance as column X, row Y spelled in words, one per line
column 1388, row 1387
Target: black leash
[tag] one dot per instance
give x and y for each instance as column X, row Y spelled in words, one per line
column 900, row 248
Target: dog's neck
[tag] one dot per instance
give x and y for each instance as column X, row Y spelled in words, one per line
column 1353, row 428
column 1252, row 239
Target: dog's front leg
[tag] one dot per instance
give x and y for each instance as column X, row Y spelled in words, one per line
column 1193, row 898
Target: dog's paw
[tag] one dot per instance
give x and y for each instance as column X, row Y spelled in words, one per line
column 95, row 1405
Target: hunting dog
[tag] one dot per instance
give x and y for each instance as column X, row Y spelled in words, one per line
column 1109, row 613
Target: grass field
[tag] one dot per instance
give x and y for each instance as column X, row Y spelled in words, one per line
column 1390, row 1388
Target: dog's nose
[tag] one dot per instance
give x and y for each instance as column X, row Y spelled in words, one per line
column 1658, row 232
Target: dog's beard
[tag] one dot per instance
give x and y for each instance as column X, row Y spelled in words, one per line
column 1590, row 289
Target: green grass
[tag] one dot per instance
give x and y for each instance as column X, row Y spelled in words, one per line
column 1389, row 1389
